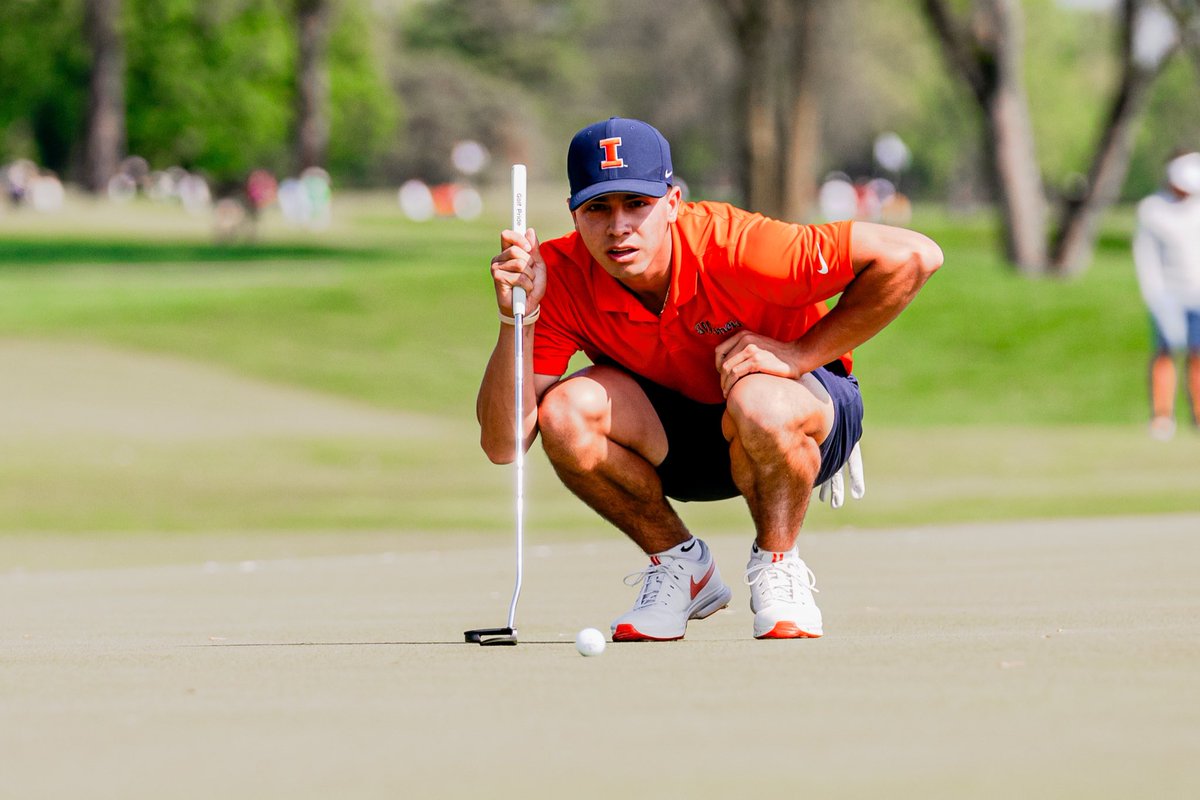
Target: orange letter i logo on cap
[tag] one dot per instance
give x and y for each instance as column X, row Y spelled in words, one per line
column 611, row 159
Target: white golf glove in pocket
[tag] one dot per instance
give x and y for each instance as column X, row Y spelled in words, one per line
column 834, row 489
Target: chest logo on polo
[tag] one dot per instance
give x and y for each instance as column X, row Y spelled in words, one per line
column 706, row 328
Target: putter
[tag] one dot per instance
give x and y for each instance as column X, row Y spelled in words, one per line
column 508, row 634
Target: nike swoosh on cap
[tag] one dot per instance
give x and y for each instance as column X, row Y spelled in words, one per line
column 668, row 173
column 698, row 587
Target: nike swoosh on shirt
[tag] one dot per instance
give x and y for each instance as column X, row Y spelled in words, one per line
column 824, row 266
column 699, row 587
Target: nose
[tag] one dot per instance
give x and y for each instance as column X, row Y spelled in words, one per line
column 620, row 222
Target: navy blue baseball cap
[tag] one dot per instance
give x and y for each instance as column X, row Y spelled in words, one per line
column 618, row 155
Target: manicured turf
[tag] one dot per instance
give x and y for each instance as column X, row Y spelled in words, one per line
column 1046, row 660
column 993, row 396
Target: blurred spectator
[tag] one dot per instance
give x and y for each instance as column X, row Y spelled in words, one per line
column 1166, row 253
column 16, row 179
column 46, row 193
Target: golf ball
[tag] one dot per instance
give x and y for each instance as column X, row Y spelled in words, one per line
column 589, row 642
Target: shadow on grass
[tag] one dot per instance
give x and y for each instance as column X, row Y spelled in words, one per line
column 70, row 252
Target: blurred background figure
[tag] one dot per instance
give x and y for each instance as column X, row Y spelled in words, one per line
column 416, row 200
column 16, row 179
column 307, row 201
column 1166, row 252
column 46, row 194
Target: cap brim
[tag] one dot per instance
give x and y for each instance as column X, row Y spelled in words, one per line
column 623, row 185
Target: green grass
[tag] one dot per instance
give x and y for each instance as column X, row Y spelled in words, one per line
column 412, row 308
column 992, row 396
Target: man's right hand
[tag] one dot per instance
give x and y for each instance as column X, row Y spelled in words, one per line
column 519, row 263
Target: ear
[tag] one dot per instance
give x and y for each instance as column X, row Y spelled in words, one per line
column 574, row 221
column 674, row 201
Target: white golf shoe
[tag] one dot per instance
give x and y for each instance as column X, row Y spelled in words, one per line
column 676, row 587
column 781, row 596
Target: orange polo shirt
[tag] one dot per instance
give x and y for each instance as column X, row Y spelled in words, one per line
column 730, row 270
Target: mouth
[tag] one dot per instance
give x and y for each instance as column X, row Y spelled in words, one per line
column 622, row 254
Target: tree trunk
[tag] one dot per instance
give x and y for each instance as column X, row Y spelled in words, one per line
column 757, row 111
column 802, row 109
column 987, row 56
column 105, row 137
column 312, row 96
column 1019, row 189
column 1075, row 242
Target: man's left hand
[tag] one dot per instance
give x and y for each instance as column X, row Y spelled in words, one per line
column 746, row 352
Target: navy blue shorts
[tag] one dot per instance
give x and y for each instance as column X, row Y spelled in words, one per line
column 697, row 464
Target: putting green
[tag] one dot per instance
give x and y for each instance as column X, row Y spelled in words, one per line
column 1039, row 659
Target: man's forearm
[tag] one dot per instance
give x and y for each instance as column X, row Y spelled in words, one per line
column 870, row 302
column 495, row 405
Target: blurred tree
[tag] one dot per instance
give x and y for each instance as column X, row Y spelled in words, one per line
column 780, row 47
column 44, row 68
column 105, row 139
column 1143, row 55
column 808, row 47
column 211, row 86
column 751, row 23
column 496, row 71
column 986, row 52
column 1187, row 17
column 312, row 82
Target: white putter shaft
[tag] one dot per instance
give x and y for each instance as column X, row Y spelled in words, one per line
column 518, row 296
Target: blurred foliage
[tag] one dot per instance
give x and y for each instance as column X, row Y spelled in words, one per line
column 211, row 86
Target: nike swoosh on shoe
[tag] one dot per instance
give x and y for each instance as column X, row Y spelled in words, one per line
column 698, row 586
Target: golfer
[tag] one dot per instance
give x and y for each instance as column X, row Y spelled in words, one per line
column 717, row 369
column 1166, row 255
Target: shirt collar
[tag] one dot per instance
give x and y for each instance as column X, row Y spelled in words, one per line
column 611, row 296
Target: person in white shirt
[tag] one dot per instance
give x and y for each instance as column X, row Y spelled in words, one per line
column 1166, row 255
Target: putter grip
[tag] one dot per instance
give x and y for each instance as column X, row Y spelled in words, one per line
column 518, row 225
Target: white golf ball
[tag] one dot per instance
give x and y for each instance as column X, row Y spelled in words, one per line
column 589, row 642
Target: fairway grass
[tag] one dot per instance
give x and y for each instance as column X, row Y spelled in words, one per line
column 109, row 442
column 158, row 382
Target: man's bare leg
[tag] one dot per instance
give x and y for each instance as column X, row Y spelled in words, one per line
column 775, row 427
column 604, row 439
column 1163, row 383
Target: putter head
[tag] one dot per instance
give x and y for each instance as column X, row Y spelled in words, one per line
column 490, row 637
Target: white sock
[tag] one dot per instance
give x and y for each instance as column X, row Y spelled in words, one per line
column 758, row 554
column 693, row 549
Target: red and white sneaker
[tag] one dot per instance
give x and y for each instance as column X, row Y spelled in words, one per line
column 781, row 596
column 679, row 585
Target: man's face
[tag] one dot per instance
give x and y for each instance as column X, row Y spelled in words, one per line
column 629, row 235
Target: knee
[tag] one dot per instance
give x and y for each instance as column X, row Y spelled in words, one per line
column 570, row 414
column 766, row 411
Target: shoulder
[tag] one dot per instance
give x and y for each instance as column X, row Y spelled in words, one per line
column 709, row 215
column 565, row 254
column 1154, row 206
column 708, row 223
